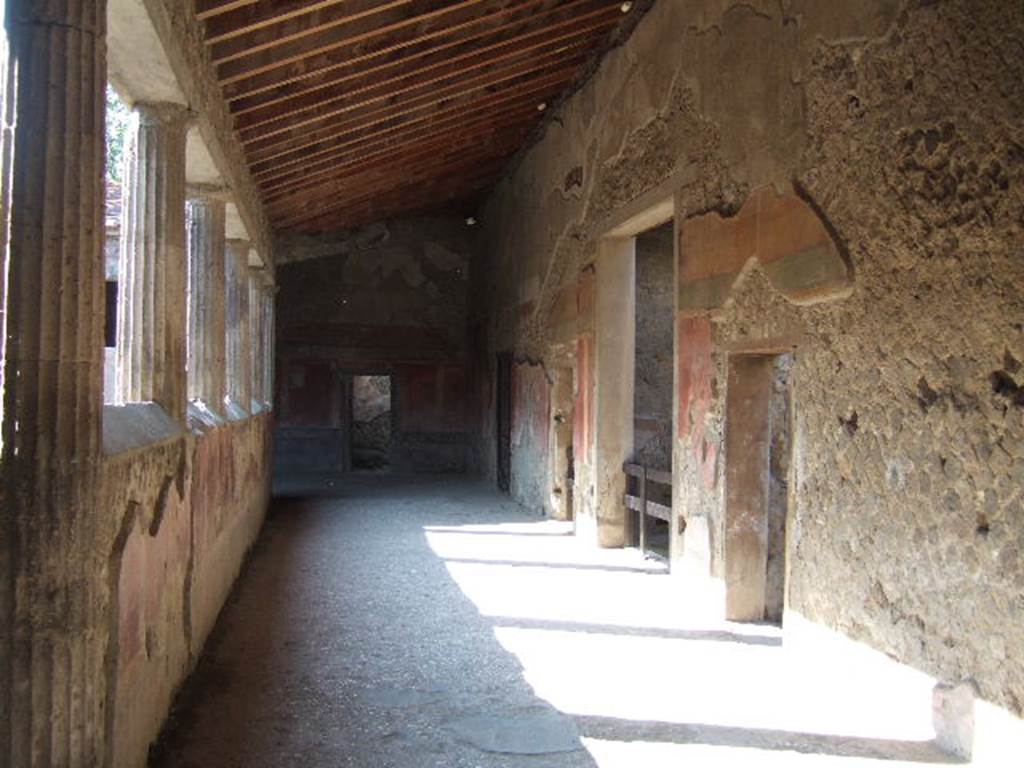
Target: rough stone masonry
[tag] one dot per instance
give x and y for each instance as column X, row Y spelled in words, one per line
column 848, row 184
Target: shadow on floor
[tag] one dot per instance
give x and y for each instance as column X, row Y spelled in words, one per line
column 348, row 642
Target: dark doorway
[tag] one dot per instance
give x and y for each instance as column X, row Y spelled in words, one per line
column 758, row 444
column 654, row 309
column 371, row 423
column 503, row 383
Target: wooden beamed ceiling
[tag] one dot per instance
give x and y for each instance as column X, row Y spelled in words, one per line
column 356, row 110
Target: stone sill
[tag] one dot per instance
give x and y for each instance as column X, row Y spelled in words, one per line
column 136, row 425
column 130, row 426
column 257, row 407
column 202, row 418
column 235, row 411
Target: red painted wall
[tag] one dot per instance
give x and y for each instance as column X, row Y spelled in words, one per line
column 695, row 374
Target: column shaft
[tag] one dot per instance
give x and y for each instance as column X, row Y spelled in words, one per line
column 268, row 346
column 256, row 336
column 151, row 312
column 53, row 592
column 206, row 329
column 238, row 337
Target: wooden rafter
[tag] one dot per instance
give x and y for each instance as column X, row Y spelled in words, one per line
column 427, row 89
column 265, row 149
column 387, row 175
column 402, row 127
column 207, row 9
column 291, row 34
column 320, row 70
column 515, row 114
column 432, row 52
column 259, row 14
column 461, row 173
column 350, row 110
column 321, row 39
column 397, row 156
column 438, row 69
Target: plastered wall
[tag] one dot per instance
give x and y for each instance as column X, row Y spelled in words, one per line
column 387, row 299
column 183, row 512
column 848, row 186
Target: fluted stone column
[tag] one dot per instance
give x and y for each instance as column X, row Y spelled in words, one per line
column 206, row 329
column 151, row 311
column 255, row 280
column 268, row 346
column 53, row 591
column 239, row 342
column 7, row 121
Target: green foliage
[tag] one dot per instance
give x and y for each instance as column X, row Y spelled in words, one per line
column 118, row 116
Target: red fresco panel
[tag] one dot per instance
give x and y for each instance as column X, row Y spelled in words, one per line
column 695, row 374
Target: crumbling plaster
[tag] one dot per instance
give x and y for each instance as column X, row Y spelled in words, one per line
column 899, row 124
column 390, row 298
column 408, row 272
column 181, row 515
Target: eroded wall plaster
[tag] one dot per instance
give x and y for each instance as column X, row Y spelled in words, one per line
column 387, row 299
column 894, row 128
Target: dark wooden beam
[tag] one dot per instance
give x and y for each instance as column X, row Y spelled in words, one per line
column 435, row 201
column 206, row 9
column 438, row 20
column 259, row 14
column 400, row 80
column 455, row 142
column 430, row 195
column 354, row 135
column 387, row 175
column 517, row 115
column 318, row 69
column 345, row 32
column 398, row 198
column 561, row 70
column 515, row 27
column 322, row 22
column 351, row 110
column 431, row 88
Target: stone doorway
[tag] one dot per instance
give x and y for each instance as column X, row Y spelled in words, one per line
column 758, row 447
column 652, row 379
column 371, row 423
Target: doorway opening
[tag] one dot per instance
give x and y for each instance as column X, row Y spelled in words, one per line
column 503, row 427
column 371, row 423
column 563, row 470
column 652, row 387
column 758, row 444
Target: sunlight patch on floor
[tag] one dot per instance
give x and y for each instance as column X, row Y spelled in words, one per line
column 611, row 640
column 618, row 754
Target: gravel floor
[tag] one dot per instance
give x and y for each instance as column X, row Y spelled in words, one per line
column 410, row 623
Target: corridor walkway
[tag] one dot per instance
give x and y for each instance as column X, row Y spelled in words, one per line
column 395, row 623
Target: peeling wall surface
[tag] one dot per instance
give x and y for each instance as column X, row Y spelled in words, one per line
column 388, row 299
column 848, row 185
column 531, row 433
column 183, row 514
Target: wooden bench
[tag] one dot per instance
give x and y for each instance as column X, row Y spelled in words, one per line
column 637, row 499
